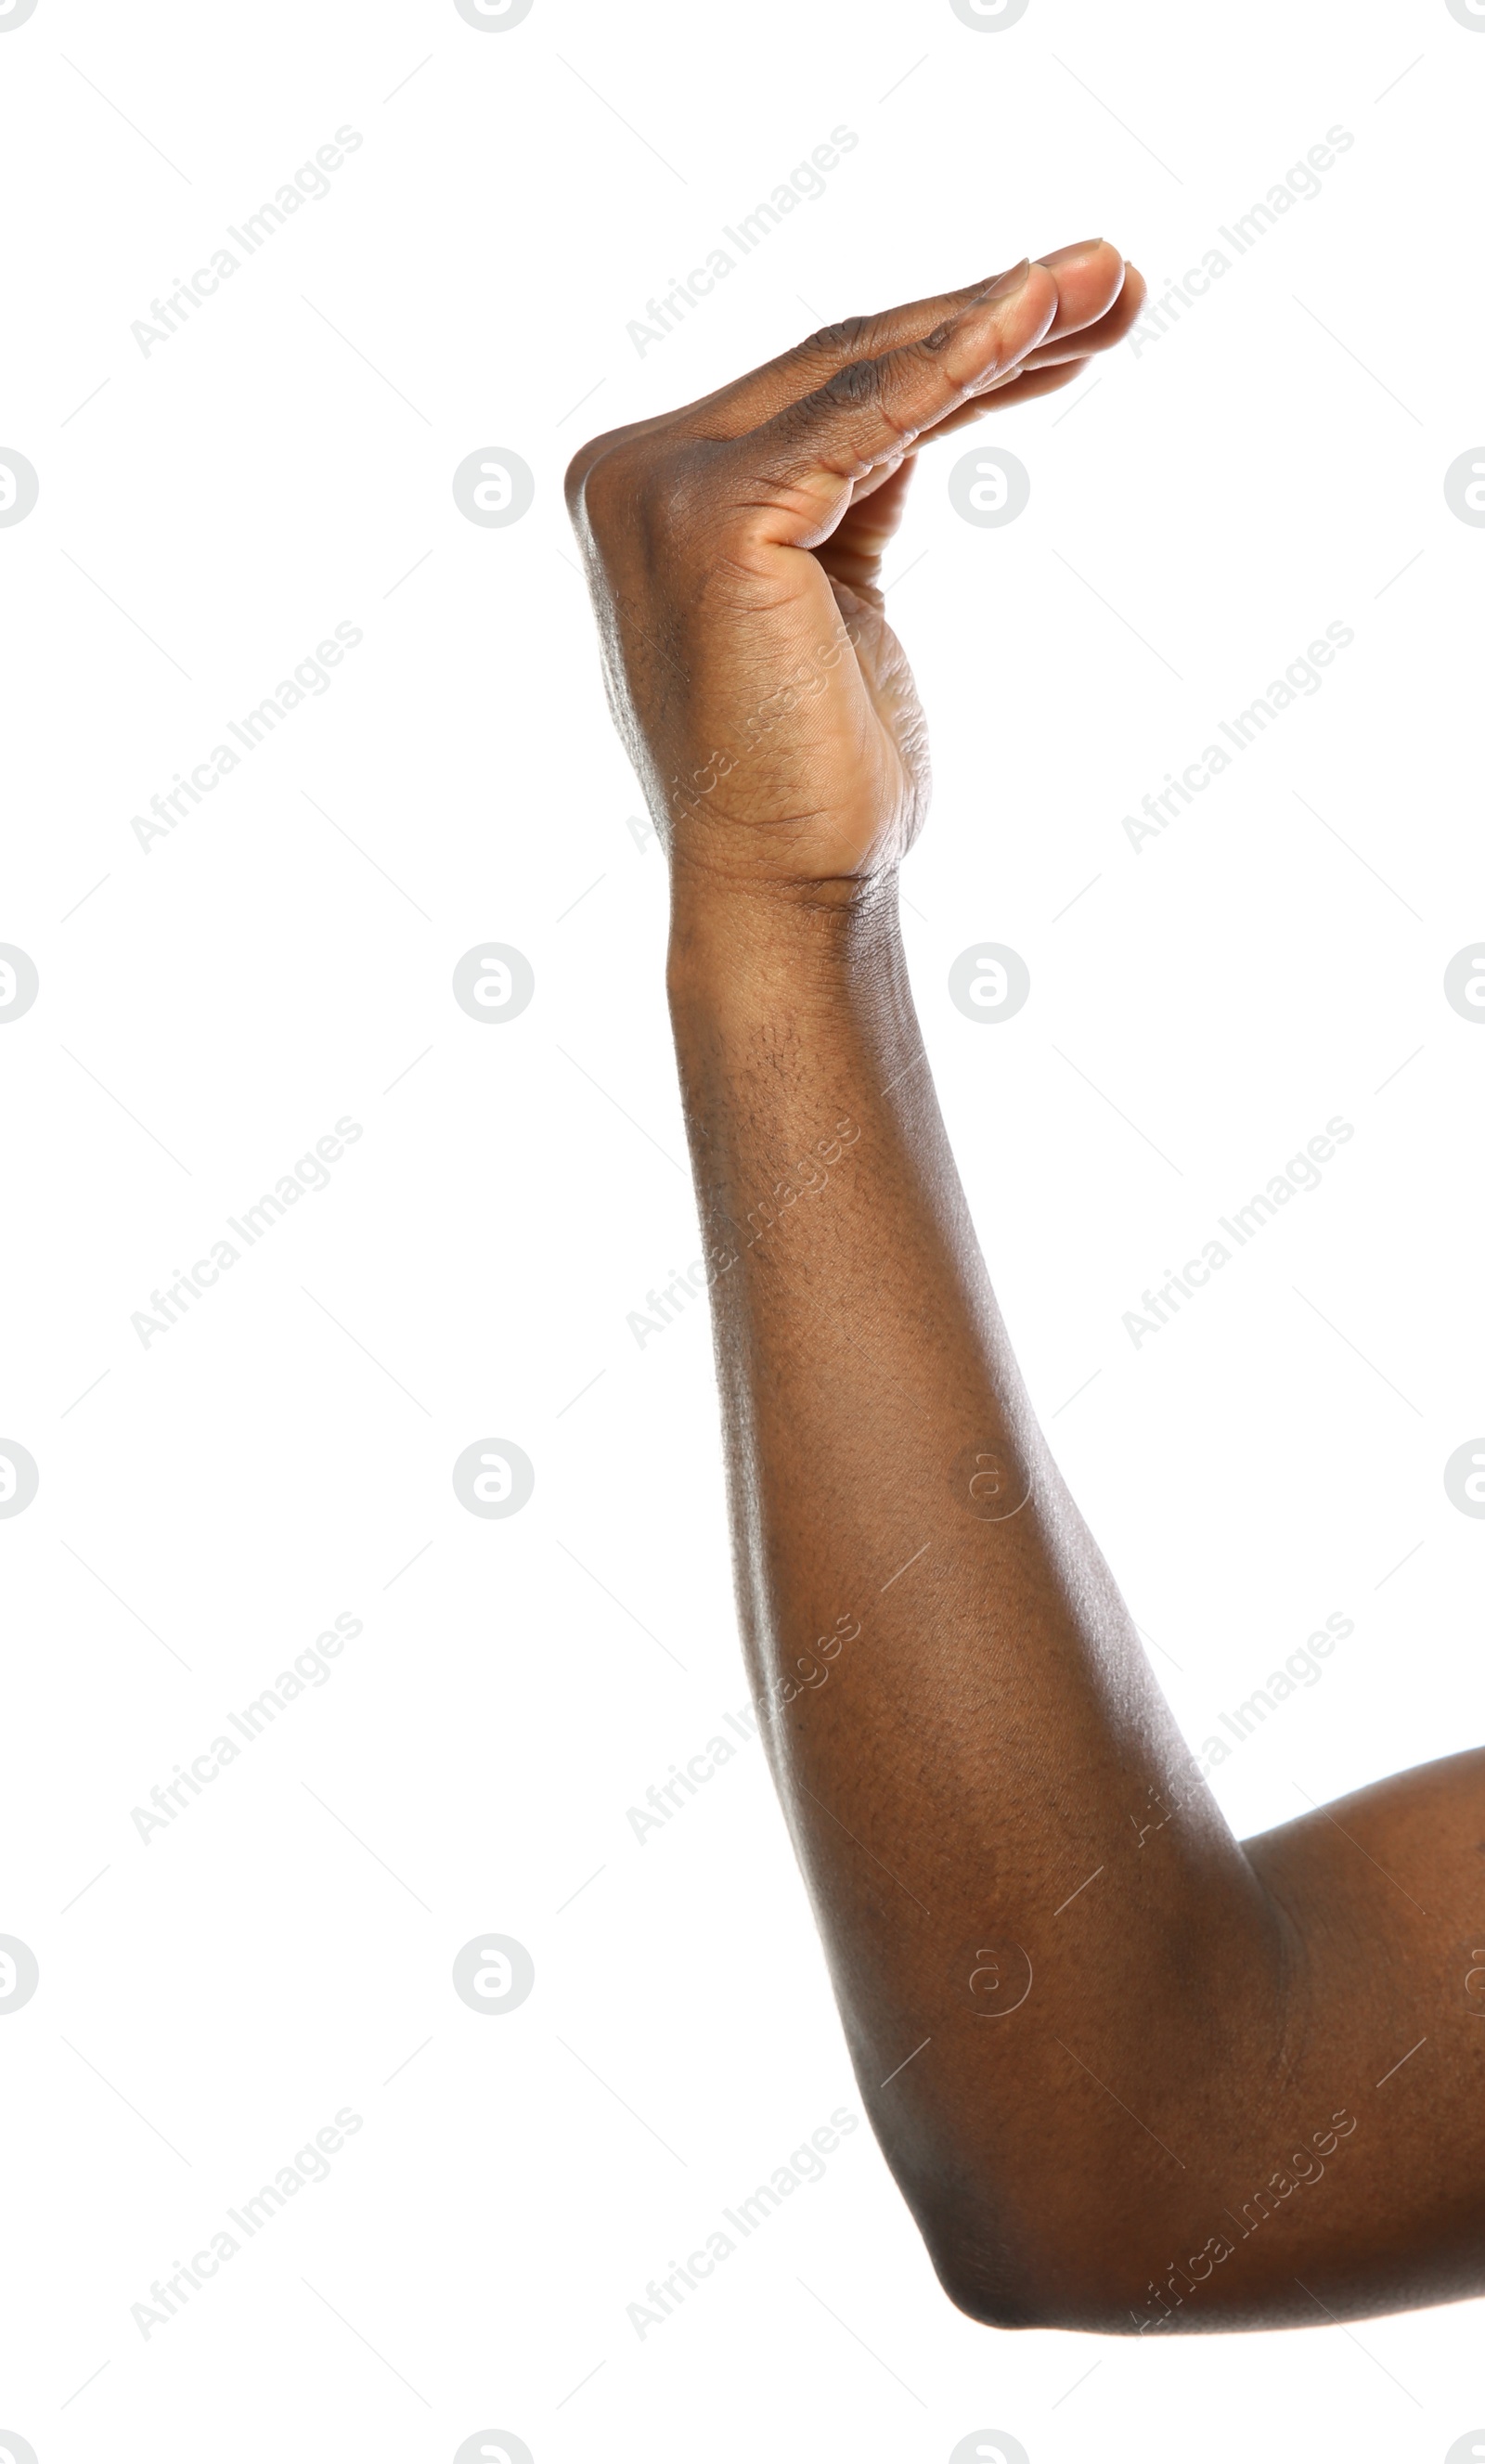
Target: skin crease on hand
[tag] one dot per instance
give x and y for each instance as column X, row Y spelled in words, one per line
column 1193, row 2104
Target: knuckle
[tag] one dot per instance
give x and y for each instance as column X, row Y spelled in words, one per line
column 580, row 468
column 614, row 458
column 858, row 383
column 603, row 481
column 848, row 333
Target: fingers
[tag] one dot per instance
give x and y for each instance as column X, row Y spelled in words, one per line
column 874, row 409
column 1101, row 331
column 749, row 400
column 745, row 402
column 1088, row 276
column 1096, row 302
column 1025, row 385
column 1051, row 365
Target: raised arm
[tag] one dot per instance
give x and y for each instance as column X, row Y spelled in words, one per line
column 1130, row 2074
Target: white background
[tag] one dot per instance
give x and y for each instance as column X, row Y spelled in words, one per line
column 207, row 1505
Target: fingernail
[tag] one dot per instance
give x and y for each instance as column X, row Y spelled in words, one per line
column 1014, row 280
column 1066, row 255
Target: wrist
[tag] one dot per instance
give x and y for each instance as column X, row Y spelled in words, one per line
column 777, row 938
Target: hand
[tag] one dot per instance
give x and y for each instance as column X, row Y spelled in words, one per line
column 733, row 549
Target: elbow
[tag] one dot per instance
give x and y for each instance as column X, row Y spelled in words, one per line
column 1004, row 2274
column 1047, row 2296
column 1049, row 2243
column 990, row 2302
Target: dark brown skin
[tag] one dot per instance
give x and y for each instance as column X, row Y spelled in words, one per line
column 1154, row 2099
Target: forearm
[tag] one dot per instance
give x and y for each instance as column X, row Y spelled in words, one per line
column 991, row 1737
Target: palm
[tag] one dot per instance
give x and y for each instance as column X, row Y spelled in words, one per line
column 850, row 562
